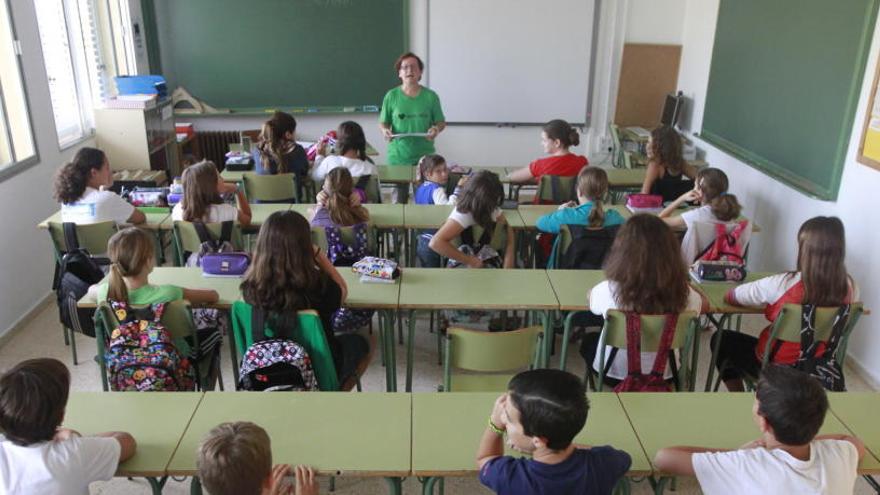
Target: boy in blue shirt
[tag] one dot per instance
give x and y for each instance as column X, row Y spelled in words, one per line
column 432, row 191
column 541, row 413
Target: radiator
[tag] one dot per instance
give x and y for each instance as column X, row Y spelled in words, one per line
column 215, row 144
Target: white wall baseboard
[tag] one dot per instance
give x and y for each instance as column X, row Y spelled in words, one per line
column 25, row 319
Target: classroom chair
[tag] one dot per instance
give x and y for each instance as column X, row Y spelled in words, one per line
column 489, row 358
column 309, row 333
column 93, row 237
column 372, row 188
column 556, row 189
column 178, row 320
column 627, row 159
column 684, row 341
column 787, row 328
column 186, row 238
column 616, row 146
column 319, row 237
column 279, row 188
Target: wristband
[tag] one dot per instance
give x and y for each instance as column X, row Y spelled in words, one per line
column 494, row 428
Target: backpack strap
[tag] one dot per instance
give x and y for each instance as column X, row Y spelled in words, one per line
column 225, row 233
column 70, row 240
column 362, row 182
column 633, row 344
column 258, row 322
column 202, row 232
column 467, row 236
column 660, row 359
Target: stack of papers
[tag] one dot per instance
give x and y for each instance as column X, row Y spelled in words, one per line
column 142, row 102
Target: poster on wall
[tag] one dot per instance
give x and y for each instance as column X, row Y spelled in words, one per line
column 869, row 146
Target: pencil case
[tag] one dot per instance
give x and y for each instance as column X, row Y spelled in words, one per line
column 644, row 200
column 229, row 264
column 720, row 271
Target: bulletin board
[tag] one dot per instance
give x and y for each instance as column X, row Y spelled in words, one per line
column 869, row 146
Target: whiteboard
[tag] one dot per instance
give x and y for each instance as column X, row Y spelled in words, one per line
column 510, row 61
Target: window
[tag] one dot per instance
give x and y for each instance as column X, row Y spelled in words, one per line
column 16, row 140
column 74, row 67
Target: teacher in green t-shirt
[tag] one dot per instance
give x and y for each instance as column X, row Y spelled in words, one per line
column 411, row 117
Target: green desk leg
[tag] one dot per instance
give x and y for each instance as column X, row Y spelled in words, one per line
column 719, row 326
column 659, row 485
column 566, row 334
column 395, row 485
column 428, row 485
column 195, row 486
column 409, row 348
column 387, row 328
column 156, row 484
column 549, row 336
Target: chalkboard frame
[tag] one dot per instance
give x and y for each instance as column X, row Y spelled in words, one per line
column 829, row 190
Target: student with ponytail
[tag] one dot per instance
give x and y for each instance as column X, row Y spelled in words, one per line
column 592, row 187
column 277, row 151
column 337, row 205
column 716, row 204
column 80, row 188
column 202, row 187
column 557, row 136
column 132, row 259
column 351, row 146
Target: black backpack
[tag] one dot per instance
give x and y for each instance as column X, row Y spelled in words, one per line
column 277, row 364
column 588, row 247
column 824, row 367
column 73, row 275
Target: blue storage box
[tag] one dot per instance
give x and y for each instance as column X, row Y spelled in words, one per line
column 141, row 85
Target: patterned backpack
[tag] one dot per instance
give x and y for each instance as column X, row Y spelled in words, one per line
column 341, row 254
column 824, row 367
column 140, row 354
column 274, row 365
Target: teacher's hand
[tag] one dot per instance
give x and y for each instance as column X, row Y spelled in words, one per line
column 432, row 133
column 387, row 134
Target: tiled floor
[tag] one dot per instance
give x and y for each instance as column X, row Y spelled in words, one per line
column 42, row 337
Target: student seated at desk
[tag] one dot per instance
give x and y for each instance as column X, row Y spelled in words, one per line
column 668, row 174
column 351, row 154
column 592, row 186
column 201, row 202
column 820, row 279
column 789, row 457
column 277, row 151
column 80, row 188
column 289, row 273
column 479, row 204
column 236, row 459
column 541, row 413
column 557, row 136
column 338, row 203
column 646, row 275
column 37, row 455
column 432, row 191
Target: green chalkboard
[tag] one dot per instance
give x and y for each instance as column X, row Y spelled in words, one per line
column 784, row 86
column 307, row 55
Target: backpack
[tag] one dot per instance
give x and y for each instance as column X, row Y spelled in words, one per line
column 824, row 367
column 726, row 246
column 274, row 365
column 210, row 245
column 481, row 249
column 588, row 247
column 341, row 254
column 73, row 276
column 635, row 380
column 140, row 353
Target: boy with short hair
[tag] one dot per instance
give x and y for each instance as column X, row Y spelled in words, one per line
column 789, row 409
column 541, row 414
column 236, row 459
column 36, row 454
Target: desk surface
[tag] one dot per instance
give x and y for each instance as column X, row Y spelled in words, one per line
column 155, row 420
column 261, row 211
column 155, row 221
column 446, row 429
column 462, row 288
column 572, row 287
column 715, row 291
column 433, row 216
column 858, row 411
column 383, row 216
column 724, row 421
column 367, row 434
column 372, row 296
column 396, row 174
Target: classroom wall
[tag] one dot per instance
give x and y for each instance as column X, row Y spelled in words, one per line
column 779, row 209
column 655, row 21
column 26, row 265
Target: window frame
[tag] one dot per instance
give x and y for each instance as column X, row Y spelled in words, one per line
column 15, row 167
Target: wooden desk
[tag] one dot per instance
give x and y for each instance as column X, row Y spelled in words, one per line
column 858, row 412
column 446, row 429
column 190, row 278
column 261, row 211
column 722, row 420
column 572, row 288
column 715, row 291
column 363, row 434
column 396, row 174
column 155, row 420
column 433, row 288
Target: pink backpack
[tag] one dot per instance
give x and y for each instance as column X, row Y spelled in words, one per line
column 727, row 245
column 635, row 380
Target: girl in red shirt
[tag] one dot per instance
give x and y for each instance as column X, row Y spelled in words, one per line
column 557, row 136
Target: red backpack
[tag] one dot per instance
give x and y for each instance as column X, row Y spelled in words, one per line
column 726, row 246
column 635, row 380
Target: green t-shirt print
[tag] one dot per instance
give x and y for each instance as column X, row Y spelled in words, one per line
column 148, row 294
column 406, row 114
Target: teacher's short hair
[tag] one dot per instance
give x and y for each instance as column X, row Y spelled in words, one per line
column 405, row 56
